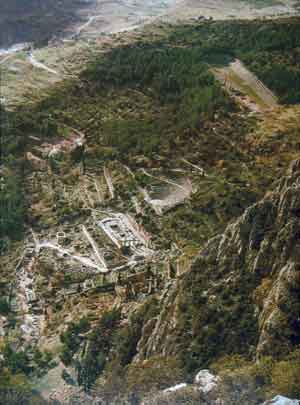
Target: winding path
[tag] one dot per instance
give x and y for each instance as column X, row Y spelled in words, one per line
column 40, row 65
column 85, row 25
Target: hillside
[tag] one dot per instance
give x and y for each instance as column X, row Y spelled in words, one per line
column 37, row 21
column 149, row 220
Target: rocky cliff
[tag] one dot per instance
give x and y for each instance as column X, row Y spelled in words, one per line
column 241, row 294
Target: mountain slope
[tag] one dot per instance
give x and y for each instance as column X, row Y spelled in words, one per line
column 114, row 181
column 242, row 292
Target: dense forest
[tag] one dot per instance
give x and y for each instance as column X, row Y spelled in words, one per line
column 12, row 199
column 270, row 49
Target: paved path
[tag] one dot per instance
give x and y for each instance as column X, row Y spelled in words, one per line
column 99, row 257
column 83, row 260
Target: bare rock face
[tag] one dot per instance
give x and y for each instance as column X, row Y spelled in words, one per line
column 242, row 292
column 280, row 400
column 206, row 381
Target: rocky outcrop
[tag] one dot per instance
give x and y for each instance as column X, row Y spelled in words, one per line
column 280, row 400
column 221, row 392
column 242, row 292
column 207, row 389
column 206, row 381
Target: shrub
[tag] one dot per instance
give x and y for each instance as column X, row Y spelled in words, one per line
column 187, row 396
column 286, row 376
column 265, row 378
column 127, row 338
column 98, row 349
column 16, row 362
column 12, row 204
column 4, row 306
column 227, row 363
column 154, row 374
column 71, row 340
